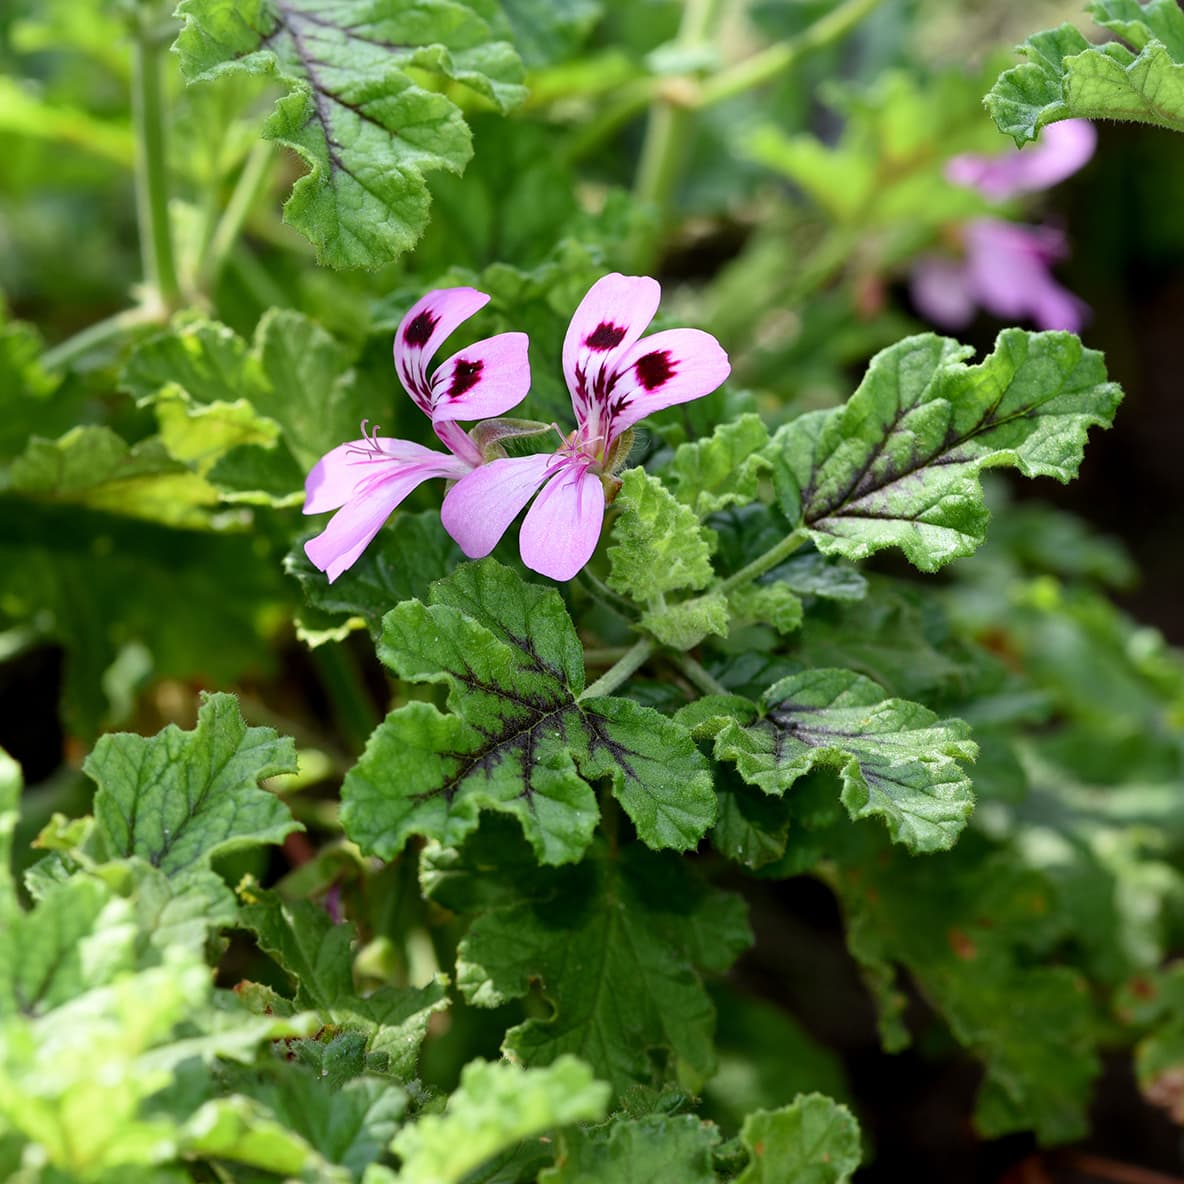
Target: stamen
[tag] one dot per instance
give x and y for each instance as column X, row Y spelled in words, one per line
column 372, row 449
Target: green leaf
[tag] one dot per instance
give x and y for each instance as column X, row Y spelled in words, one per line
column 614, row 954
column 965, row 927
column 626, row 1152
column 496, row 1106
column 812, row 1141
column 402, row 561
column 254, row 419
column 547, row 31
column 895, row 759
column 658, row 545
column 813, row 574
column 318, row 954
column 178, row 799
column 766, row 603
column 518, row 738
column 355, row 114
column 1065, row 77
column 92, row 466
column 724, row 470
column 899, row 464
column 10, row 793
column 684, row 624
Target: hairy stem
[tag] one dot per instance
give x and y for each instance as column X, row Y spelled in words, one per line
column 628, row 664
column 763, row 563
column 152, row 187
column 253, row 178
column 697, row 676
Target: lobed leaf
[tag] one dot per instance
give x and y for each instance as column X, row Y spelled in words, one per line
column 723, row 470
column 899, row 463
column 367, row 130
column 178, row 799
column 1065, row 77
column 614, row 953
column 495, row 1106
column 654, row 1148
column 814, row 1140
column 519, row 737
column 895, row 759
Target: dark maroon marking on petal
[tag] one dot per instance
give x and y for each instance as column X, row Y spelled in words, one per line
column 605, row 336
column 420, row 329
column 654, row 370
column 465, row 376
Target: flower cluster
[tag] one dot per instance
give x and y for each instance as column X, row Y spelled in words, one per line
column 616, row 377
column 1006, row 266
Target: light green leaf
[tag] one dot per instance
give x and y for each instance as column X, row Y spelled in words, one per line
column 812, row 1141
column 895, row 759
column 614, row 955
column 496, row 1106
column 178, row 799
column 92, row 466
column 1065, row 77
column 684, row 624
column 318, row 954
column 899, row 463
column 626, row 1152
column 658, row 545
column 723, row 470
column 767, row 603
column 355, row 114
column 518, row 738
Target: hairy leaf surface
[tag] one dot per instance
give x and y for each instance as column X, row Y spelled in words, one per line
column 635, row 1152
column 518, row 737
column 356, row 115
column 899, row 463
column 814, row 1140
column 1065, row 77
column 614, row 952
column 178, row 799
column 895, row 759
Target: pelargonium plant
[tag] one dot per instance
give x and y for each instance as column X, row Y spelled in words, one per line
column 637, row 842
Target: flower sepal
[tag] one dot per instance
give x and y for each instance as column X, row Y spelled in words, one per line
column 617, row 455
column 490, row 434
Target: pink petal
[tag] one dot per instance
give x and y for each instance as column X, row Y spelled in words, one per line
column 1008, row 266
column 940, row 290
column 561, row 529
column 610, row 318
column 486, row 379
column 423, row 330
column 334, row 478
column 1063, row 148
column 479, row 508
column 340, row 544
column 661, row 370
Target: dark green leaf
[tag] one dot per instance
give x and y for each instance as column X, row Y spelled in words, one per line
column 636, row 1152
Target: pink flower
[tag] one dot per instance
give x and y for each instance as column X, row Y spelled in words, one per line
column 1063, row 148
column 615, row 379
column 1006, row 268
column 366, row 479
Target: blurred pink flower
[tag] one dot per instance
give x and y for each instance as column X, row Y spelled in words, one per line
column 366, row 479
column 1006, row 266
column 615, row 379
column 1006, row 270
column 1062, row 149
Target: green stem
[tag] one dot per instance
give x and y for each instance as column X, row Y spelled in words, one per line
column 599, row 590
column 769, row 63
column 669, row 126
column 605, row 655
column 697, row 676
column 152, row 188
column 99, row 334
column 355, row 713
column 630, row 662
column 763, row 563
column 254, row 175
